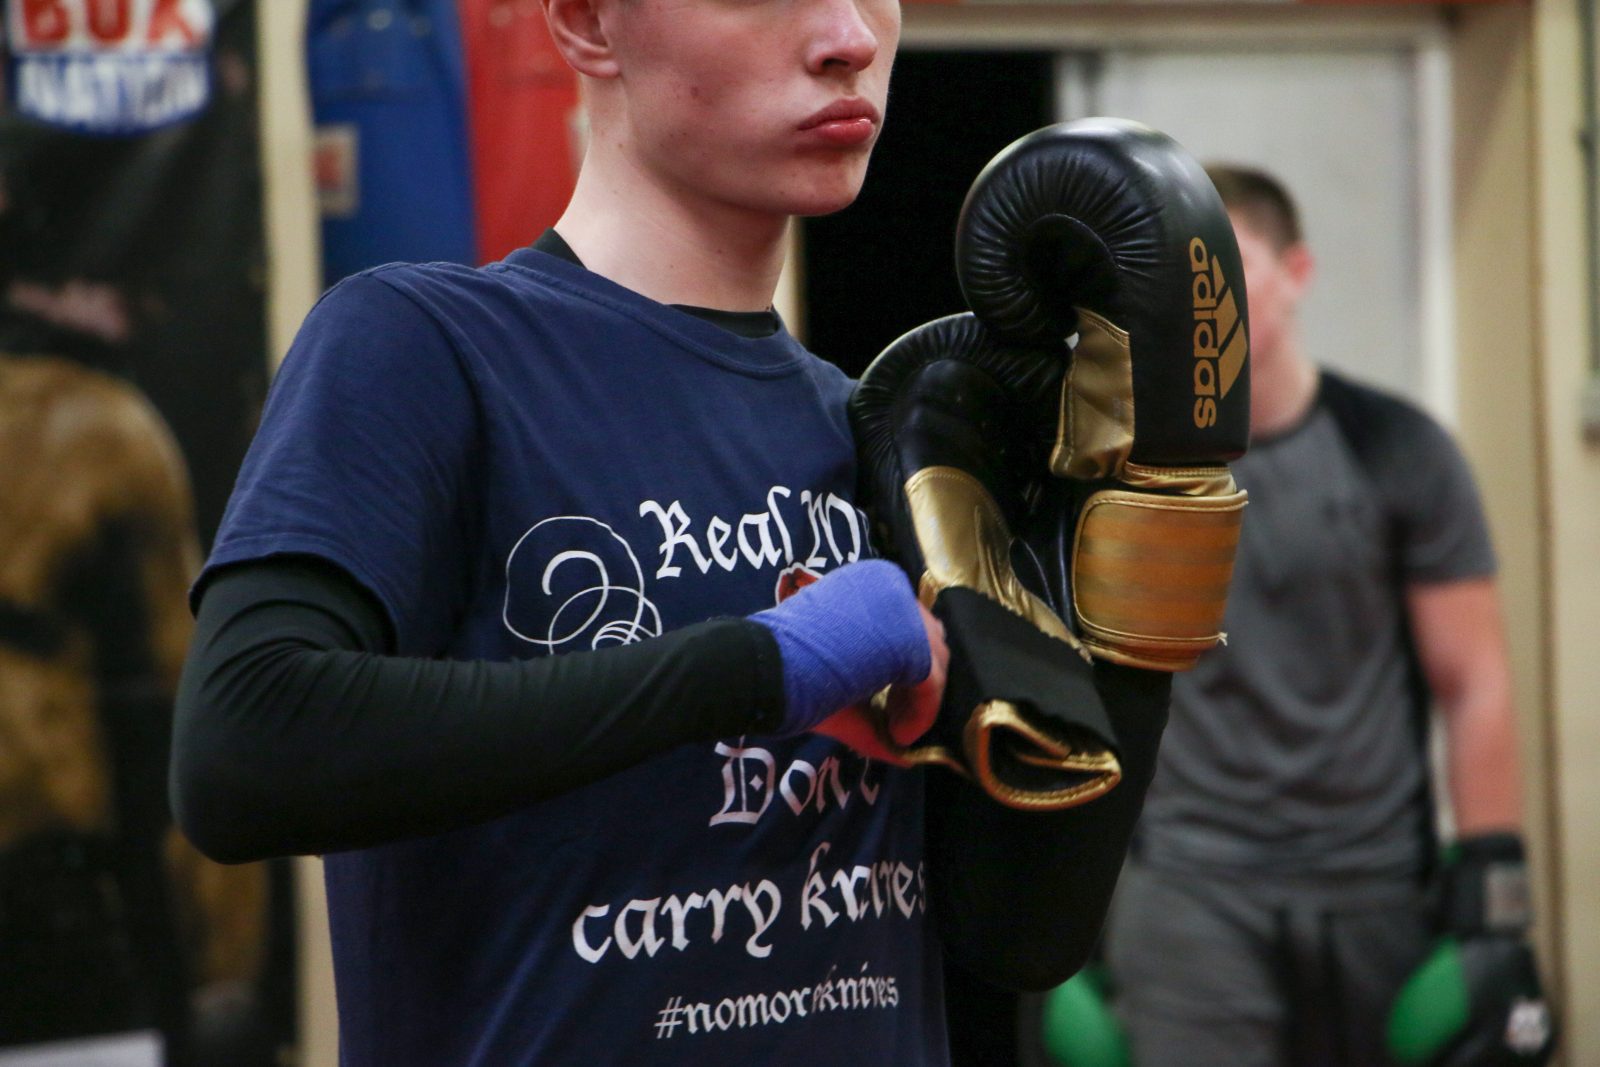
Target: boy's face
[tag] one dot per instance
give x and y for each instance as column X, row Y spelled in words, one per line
column 764, row 105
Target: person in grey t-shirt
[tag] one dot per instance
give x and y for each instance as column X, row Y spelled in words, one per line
column 1279, row 897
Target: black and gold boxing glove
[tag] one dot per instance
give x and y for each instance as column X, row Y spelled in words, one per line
column 1076, row 433
column 948, row 427
column 1110, row 233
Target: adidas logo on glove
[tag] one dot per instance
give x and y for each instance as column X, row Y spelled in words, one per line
column 1220, row 346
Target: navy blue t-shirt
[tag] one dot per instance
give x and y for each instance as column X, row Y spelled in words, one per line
column 528, row 460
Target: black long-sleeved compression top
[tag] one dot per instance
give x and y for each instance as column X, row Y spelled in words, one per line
column 297, row 732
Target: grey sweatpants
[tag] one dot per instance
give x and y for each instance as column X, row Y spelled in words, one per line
column 1260, row 972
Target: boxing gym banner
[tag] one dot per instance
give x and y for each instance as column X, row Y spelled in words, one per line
column 110, row 66
column 132, row 316
column 130, row 218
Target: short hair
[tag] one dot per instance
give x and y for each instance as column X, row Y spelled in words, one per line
column 1261, row 199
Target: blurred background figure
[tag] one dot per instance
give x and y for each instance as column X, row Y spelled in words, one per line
column 1287, row 903
column 110, row 923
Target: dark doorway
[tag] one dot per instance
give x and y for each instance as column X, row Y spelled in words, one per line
column 885, row 264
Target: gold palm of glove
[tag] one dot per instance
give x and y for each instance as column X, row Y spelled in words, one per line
column 966, row 543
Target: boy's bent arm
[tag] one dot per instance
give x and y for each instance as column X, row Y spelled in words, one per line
column 296, row 734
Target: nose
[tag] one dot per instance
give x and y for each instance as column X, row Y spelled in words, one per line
column 844, row 40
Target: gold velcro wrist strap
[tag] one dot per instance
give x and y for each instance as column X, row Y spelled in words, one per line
column 1081, row 772
column 1078, row 774
column 1150, row 571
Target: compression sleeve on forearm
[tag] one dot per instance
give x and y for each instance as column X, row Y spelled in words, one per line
column 296, row 734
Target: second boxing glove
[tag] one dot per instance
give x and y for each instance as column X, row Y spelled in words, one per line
column 1110, row 231
column 943, row 422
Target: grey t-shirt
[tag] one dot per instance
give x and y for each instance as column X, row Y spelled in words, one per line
column 1296, row 747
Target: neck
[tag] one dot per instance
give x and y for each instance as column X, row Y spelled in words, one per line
column 1282, row 387
column 674, row 249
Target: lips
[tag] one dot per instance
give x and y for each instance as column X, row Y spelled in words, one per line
column 842, row 124
column 843, row 111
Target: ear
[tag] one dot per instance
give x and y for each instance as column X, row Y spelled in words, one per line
column 1300, row 266
column 579, row 36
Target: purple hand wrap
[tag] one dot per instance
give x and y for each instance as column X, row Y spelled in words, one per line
column 845, row 637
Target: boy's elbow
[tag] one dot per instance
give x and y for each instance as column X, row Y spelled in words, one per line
column 201, row 811
column 214, row 805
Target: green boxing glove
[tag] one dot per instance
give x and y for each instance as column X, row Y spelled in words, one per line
column 1476, row 1001
column 1078, row 1027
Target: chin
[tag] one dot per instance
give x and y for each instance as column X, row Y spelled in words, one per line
column 824, row 198
column 812, row 188
column 815, row 208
